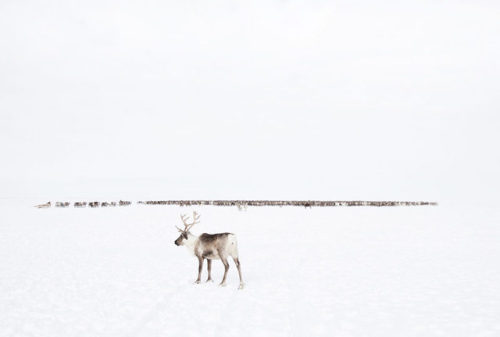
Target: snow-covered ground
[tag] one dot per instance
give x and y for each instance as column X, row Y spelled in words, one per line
column 395, row 271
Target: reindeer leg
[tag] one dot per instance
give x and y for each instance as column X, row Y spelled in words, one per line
column 226, row 268
column 209, row 267
column 237, row 262
column 200, row 268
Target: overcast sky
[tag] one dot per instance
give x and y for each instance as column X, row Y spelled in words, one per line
column 256, row 99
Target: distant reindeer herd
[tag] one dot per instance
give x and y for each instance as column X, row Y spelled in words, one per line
column 81, row 204
column 243, row 204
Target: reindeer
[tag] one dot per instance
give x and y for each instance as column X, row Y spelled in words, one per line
column 47, row 205
column 210, row 247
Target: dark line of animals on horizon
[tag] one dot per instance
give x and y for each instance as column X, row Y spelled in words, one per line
column 241, row 204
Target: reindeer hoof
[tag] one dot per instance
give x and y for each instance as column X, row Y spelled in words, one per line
column 197, row 282
column 222, row 284
column 242, row 285
column 210, row 280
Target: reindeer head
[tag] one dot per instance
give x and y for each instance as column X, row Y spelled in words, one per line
column 187, row 226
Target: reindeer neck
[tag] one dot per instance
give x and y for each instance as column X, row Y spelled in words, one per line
column 190, row 243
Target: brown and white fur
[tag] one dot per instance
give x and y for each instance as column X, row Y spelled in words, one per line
column 210, row 247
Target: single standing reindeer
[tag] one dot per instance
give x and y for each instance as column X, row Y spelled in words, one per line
column 211, row 247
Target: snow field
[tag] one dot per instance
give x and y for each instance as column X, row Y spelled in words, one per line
column 390, row 271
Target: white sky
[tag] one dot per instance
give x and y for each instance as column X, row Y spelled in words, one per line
column 256, row 99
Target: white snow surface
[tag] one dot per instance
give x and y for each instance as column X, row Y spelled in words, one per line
column 394, row 271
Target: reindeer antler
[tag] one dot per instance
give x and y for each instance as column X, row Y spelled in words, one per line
column 184, row 219
column 187, row 226
column 196, row 218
